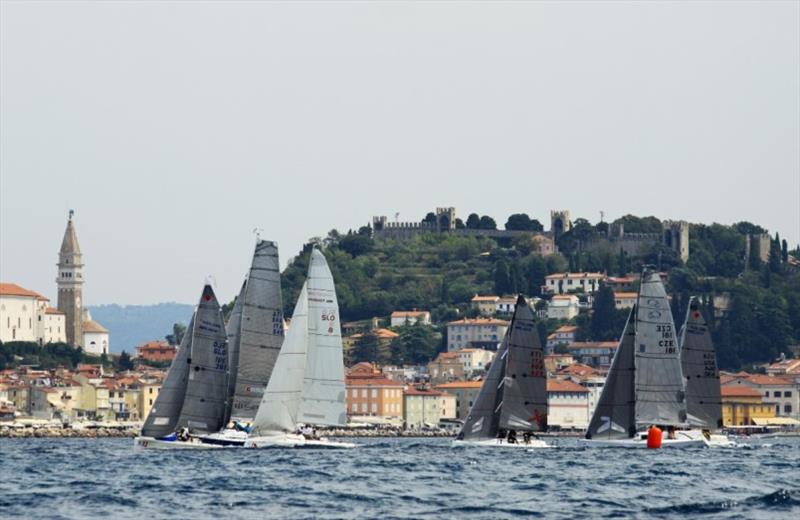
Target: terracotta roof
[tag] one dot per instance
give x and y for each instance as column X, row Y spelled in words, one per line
column 408, row 314
column 93, row 326
column 560, row 385
column 578, row 369
column 12, row 289
column 51, row 310
column 380, row 332
column 479, row 321
column 565, row 297
column 371, row 381
column 573, row 276
column 489, row 298
column 461, row 384
column 446, row 355
column 625, row 295
column 762, row 380
column 592, row 344
column 154, row 345
column 416, row 391
column 566, row 328
column 739, row 391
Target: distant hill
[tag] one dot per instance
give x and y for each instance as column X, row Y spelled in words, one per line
column 132, row 325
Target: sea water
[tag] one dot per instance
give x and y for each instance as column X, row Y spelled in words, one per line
column 396, row 478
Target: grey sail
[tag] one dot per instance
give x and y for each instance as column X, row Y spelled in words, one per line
column 279, row 407
column 323, row 400
column 614, row 416
column 699, row 363
column 260, row 331
column 483, row 420
column 525, row 385
column 205, row 402
column 163, row 417
column 659, row 379
column 232, row 331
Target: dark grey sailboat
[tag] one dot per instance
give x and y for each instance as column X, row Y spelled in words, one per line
column 699, row 363
column 194, row 394
column 514, row 393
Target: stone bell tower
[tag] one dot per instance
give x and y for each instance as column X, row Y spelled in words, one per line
column 70, row 284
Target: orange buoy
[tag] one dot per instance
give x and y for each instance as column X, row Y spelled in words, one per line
column 654, row 437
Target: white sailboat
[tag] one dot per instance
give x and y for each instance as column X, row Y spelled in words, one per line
column 193, row 398
column 307, row 385
column 645, row 383
column 513, row 397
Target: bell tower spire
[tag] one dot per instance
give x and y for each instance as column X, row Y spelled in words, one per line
column 70, row 283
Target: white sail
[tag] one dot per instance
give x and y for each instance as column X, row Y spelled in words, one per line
column 279, row 406
column 323, row 400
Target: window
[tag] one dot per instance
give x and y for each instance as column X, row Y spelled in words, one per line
column 776, row 393
column 374, row 407
column 787, row 394
column 787, row 408
column 363, row 392
column 374, row 392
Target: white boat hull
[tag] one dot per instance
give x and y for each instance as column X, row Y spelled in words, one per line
column 683, row 439
column 225, row 438
column 152, row 443
column 501, row 443
column 290, row 440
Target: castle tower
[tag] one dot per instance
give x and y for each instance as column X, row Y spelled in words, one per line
column 560, row 222
column 70, row 284
column 676, row 237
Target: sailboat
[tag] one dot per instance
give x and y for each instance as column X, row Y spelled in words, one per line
column 645, row 383
column 193, row 398
column 307, row 385
column 513, row 396
column 699, row 365
column 255, row 335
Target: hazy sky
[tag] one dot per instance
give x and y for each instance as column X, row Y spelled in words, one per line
column 173, row 129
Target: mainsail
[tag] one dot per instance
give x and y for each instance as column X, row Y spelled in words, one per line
column 205, row 401
column 659, row 379
column 232, row 330
column 260, row 331
column 483, row 419
column 525, row 384
column 699, row 363
column 614, row 416
column 279, row 407
column 163, row 417
column 323, row 401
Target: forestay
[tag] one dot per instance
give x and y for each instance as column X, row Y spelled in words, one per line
column 204, row 404
column 699, row 364
column 525, row 384
column 613, row 416
column 163, row 417
column 279, row 407
column 659, row 379
column 323, row 401
column 260, row 331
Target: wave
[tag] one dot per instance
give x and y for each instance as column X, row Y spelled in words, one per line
column 778, row 500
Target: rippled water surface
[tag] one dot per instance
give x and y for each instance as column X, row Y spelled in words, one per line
column 395, row 478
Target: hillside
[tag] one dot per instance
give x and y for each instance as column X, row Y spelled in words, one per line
column 440, row 272
column 132, row 325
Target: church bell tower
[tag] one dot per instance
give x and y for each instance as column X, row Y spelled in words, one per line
column 70, row 284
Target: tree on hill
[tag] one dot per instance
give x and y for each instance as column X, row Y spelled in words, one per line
column 367, row 348
column 605, row 321
column 124, row 362
column 635, row 224
column 430, row 218
column 502, row 277
column 356, row 244
column 416, row 345
column 473, row 221
column 774, row 262
column 522, row 222
column 178, row 331
column 487, row 222
column 784, row 251
column 460, row 224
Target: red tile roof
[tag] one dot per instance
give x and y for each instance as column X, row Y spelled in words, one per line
column 560, row 385
column 762, row 380
column 739, row 391
column 416, row 391
column 372, row 381
column 479, row 321
column 51, row 310
column 12, row 289
column 461, row 384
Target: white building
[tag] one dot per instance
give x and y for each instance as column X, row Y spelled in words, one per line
column 563, row 307
column 474, row 359
column 563, row 283
column 25, row 316
column 781, row 392
column 400, row 318
column 95, row 336
column 486, row 305
column 567, row 405
column 625, row 300
column 478, row 332
column 561, row 336
column 593, row 353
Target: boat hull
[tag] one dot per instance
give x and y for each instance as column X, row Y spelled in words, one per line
column 152, row 443
column 290, row 440
column 681, row 442
column 225, row 438
column 501, row 443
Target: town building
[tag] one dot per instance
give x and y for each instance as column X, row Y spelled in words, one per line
column 784, row 367
column 567, row 405
column 95, row 336
column 474, row 360
column 625, row 300
column 70, row 284
column 563, row 307
column 400, row 318
column 465, row 393
column 157, row 351
column 422, row 408
column 556, row 362
column 563, row 335
column 742, row 404
column 369, row 392
column 479, row 332
column 622, row 283
column 55, row 326
column 779, row 392
column 486, row 305
column 543, row 245
column 593, row 353
column 21, row 313
column 563, row 283
column 445, row 368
